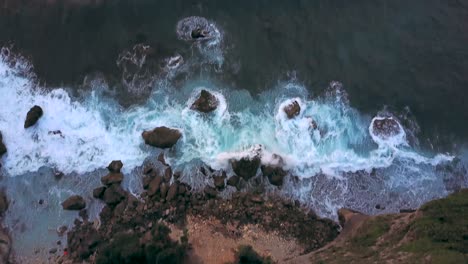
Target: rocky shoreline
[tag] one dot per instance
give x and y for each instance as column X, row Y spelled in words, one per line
column 168, row 201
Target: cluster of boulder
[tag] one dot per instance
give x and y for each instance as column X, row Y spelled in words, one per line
column 166, row 199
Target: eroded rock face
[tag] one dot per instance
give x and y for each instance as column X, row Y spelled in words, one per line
column 74, row 202
column 292, row 110
column 205, row 103
column 385, row 127
column 33, row 116
column 162, row 137
column 3, row 148
column 246, row 167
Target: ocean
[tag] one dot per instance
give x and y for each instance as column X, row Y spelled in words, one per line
column 105, row 71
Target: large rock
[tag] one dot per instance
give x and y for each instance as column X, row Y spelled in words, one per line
column 172, row 192
column 113, row 195
column 154, row 185
column 206, row 103
column 115, row 166
column 246, row 167
column 233, row 181
column 219, row 180
column 111, row 178
column 385, row 127
column 33, row 116
column 292, row 110
column 275, row 174
column 3, row 148
column 162, row 137
column 74, row 202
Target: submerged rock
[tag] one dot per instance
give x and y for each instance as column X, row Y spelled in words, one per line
column 292, row 110
column 205, row 103
column 246, row 167
column 33, row 116
column 199, row 33
column 196, row 29
column 385, row 127
column 275, row 174
column 162, row 137
column 3, row 148
column 115, row 166
column 74, row 202
column 5, row 246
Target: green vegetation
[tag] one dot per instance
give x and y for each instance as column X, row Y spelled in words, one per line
column 369, row 233
column 436, row 233
column 154, row 247
column 246, row 255
column 442, row 230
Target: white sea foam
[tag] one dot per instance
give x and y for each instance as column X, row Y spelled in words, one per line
column 95, row 131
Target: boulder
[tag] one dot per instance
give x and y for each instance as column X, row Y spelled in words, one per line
column 167, row 174
column 385, row 127
column 205, row 103
column 274, row 174
column 171, row 194
column 98, row 193
column 33, row 116
column 115, row 166
column 3, row 202
column 154, row 185
column 219, row 180
column 74, row 202
column 111, row 178
column 162, row 137
column 210, row 192
column 113, row 195
column 292, row 110
column 233, row 181
column 3, row 148
column 246, row 167
column 164, row 188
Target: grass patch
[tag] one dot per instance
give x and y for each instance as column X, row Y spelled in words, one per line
column 442, row 230
column 370, row 231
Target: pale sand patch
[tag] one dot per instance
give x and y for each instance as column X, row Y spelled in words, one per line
column 214, row 242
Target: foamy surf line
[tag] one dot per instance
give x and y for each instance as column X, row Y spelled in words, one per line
column 96, row 131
